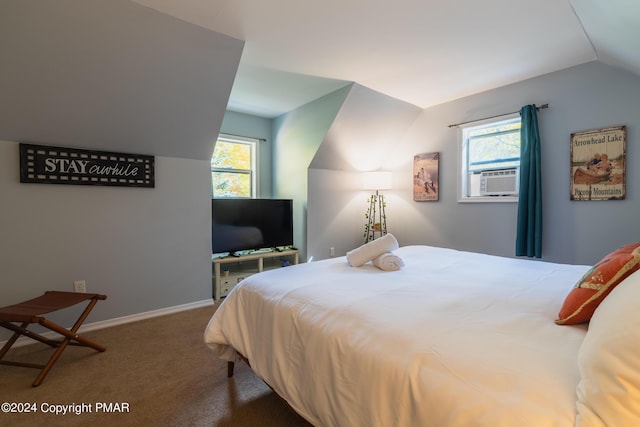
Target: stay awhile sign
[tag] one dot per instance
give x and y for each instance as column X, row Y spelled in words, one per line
column 58, row 165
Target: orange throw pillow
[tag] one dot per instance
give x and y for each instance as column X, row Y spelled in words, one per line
column 596, row 284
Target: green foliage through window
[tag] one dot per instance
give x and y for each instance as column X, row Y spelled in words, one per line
column 485, row 147
column 494, row 147
column 233, row 168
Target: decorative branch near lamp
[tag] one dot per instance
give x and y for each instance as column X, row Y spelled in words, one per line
column 376, row 217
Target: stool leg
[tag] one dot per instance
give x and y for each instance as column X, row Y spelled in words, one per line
column 69, row 335
column 11, row 341
column 54, row 358
column 72, row 335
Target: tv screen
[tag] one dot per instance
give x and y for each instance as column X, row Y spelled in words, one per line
column 250, row 224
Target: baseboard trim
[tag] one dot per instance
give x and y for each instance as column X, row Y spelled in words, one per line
column 120, row 320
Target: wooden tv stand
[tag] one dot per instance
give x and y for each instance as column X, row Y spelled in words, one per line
column 230, row 270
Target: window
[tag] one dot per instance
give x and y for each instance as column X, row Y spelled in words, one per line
column 233, row 167
column 490, row 161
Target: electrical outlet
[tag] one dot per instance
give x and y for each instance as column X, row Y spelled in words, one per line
column 80, row 286
column 332, row 251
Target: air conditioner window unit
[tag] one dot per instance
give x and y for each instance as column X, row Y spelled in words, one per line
column 502, row 182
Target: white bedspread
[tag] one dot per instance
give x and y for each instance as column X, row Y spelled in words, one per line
column 453, row 339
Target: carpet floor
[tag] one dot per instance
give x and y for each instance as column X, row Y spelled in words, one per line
column 155, row 372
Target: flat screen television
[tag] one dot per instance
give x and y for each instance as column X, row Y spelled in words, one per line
column 239, row 225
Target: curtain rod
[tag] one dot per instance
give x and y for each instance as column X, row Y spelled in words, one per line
column 542, row 107
column 230, row 135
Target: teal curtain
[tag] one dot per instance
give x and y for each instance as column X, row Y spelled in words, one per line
column 529, row 232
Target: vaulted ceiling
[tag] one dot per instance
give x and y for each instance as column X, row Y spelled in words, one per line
column 422, row 52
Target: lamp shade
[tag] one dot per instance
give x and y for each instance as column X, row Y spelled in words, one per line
column 376, row 180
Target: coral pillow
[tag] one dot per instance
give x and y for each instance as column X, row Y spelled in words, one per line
column 596, row 284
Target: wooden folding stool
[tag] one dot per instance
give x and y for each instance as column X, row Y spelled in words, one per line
column 31, row 311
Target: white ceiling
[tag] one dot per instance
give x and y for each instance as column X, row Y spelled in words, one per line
column 424, row 52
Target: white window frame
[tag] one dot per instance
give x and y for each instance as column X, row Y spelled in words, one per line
column 463, row 181
column 253, row 172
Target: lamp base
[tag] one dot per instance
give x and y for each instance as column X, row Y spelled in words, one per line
column 376, row 225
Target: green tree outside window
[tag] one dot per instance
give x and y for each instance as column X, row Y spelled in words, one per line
column 233, row 168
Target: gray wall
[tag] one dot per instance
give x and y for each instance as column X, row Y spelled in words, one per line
column 359, row 139
column 144, row 248
column 337, row 205
column 585, row 97
column 115, row 76
column 112, row 75
column 297, row 136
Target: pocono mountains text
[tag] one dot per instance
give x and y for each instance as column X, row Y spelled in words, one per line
column 584, row 194
column 57, row 165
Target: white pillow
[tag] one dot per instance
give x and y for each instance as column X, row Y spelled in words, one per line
column 609, row 361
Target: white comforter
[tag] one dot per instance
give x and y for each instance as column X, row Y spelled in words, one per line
column 453, row 339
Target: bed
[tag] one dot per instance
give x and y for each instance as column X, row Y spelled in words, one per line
column 453, row 338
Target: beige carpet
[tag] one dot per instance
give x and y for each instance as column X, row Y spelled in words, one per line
column 159, row 369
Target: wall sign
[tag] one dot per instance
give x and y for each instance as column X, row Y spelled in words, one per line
column 57, row 165
column 598, row 160
column 426, row 173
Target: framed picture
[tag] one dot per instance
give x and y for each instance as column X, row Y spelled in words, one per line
column 598, row 164
column 425, row 177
